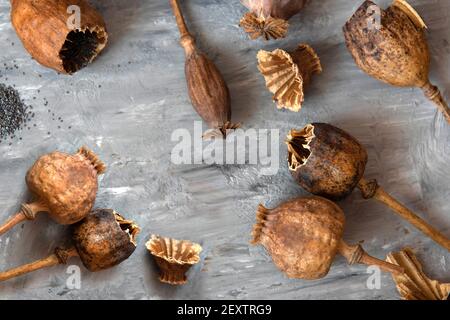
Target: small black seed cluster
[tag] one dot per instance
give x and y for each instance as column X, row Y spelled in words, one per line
column 14, row 113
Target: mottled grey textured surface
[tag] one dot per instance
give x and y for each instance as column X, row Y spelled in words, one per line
column 129, row 120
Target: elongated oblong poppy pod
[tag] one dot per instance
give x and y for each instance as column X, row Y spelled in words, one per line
column 304, row 235
column 207, row 89
column 390, row 45
column 102, row 240
column 329, row 162
column 65, row 187
column 65, row 35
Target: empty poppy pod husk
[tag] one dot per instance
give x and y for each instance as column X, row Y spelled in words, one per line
column 208, row 90
column 304, row 235
column 414, row 284
column 329, row 162
column 65, row 35
column 288, row 74
column 269, row 18
column 102, row 240
column 65, row 187
column 174, row 258
column 391, row 46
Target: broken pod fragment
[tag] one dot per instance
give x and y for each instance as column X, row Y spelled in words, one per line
column 174, row 258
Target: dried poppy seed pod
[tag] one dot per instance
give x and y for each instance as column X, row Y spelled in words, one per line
column 379, row 51
column 65, row 187
column 269, row 18
column 102, row 240
column 288, row 74
column 207, row 89
column 304, row 235
column 53, row 39
column 174, row 258
column 329, row 162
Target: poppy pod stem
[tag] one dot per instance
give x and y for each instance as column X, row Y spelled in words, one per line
column 356, row 254
column 27, row 212
column 371, row 189
column 187, row 40
column 433, row 94
column 60, row 256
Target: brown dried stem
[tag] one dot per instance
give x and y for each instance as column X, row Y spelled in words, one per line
column 371, row 189
column 356, row 254
column 187, row 40
column 433, row 94
column 59, row 257
column 27, row 212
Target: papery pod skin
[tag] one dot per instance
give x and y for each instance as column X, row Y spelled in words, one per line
column 280, row 9
column 101, row 242
column 333, row 163
column 301, row 235
column 44, row 26
column 66, row 184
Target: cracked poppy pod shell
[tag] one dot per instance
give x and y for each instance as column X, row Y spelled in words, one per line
column 65, row 35
column 288, row 74
column 66, row 184
column 104, row 239
column 325, row 160
column 269, row 18
column 301, row 235
column 174, row 258
column 390, row 45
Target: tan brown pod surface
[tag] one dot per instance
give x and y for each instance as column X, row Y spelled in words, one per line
column 269, row 18
column 102, row 240
column 173, row 257
column 304, row 235
column 65, row 187
column 396, row 50
column 287, row 74
column 329, row 162
column 51, row 35
column 208, row 91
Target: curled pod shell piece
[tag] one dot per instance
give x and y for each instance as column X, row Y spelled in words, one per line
column 304, row 235
column 65, row 186
column 269, row 18
column 174, row 258
column 329, row 162
column 390, row 45
column 288, row 74
column 413, row 284
column 51, row 33
column 102, row 240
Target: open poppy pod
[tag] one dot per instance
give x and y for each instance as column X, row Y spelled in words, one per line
column 53, row 35
column 269, row 18
column 65, row 187
column 329, row 162
column 392, row 47
column 174, row 258
column 288, row 74
column 102, row 240
column 304, row 235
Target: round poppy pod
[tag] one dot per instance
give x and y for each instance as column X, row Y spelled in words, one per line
column 65, row 184
column 301, row 235
column 104, row 239
column 326, row 160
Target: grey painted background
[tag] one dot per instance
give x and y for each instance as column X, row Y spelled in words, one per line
column 129, row 120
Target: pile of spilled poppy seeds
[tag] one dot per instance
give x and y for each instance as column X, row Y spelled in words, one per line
column 14, row 113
